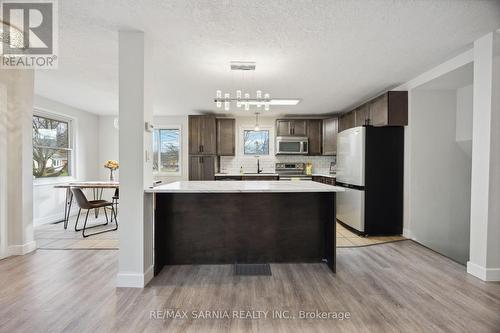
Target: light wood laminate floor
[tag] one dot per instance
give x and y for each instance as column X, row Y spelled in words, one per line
column 393, row 287
column 53, row 236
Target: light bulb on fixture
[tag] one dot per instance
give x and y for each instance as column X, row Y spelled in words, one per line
column 238, row 98
column 259, row 97
column 266, row 103
column 218, row 94
column 226, row 102
column 247, row 104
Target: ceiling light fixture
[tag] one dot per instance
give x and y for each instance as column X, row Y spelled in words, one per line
column 243, row 99
column 256, row 128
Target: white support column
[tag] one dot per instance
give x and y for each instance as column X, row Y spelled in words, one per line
column 135, row 105
column 484, row 261
column 16, row 173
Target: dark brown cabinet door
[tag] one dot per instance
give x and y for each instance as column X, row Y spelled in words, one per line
column 294, row 127
column 195, row 168
column 194, row 134
column 362, row 115
column 379, row 111
column 202, row 135
column 259, row 178
column 330, row 130
column 226, row 137
column 299, row 127
column 201, row 168
column 314, row 134
column 283, row 127
column 347, row 121
column 208, row 135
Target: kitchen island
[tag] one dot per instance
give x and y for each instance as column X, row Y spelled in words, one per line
column 208, row 222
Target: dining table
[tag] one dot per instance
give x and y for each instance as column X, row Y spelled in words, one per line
column 97, row 189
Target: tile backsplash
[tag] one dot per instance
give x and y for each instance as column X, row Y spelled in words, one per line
column 232, row 164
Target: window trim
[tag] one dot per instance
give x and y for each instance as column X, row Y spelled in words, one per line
column 170, row 127
column 72, row 130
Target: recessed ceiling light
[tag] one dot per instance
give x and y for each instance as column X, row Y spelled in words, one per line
column 279, row 101
column 285, row 101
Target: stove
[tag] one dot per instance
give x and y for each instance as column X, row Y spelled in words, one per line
column 292, row 171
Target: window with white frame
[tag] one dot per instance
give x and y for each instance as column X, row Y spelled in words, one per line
column 256, row 142
column 52, row 146
column 167, row 150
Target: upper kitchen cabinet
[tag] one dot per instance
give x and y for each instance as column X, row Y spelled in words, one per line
column 389, row 109
column 314, row 134
column 226, row 136
column 330, row 130
column 347, row 120
column 202, row 135
column 362, row 115
column 291, row 127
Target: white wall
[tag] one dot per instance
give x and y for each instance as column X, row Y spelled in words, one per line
column 485, row 192
column 464, row 113
column 232, row 164
column 135, row 266
column 493, row 257
column 441, row 171
column 109, row 144
column 48, row 202
column 16, row 195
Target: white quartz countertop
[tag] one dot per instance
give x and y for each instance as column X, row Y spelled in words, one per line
column 262, row 186
column 268, row 174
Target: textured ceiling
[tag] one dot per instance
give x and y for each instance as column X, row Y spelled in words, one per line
column 332, row 54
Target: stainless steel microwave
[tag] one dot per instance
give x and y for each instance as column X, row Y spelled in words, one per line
column 292, row 145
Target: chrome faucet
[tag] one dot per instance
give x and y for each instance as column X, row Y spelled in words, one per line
column 259, row 170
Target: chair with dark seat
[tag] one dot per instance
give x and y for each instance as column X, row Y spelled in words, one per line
column 83, row 203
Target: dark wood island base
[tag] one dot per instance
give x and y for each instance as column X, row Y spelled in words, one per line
column 228, row 228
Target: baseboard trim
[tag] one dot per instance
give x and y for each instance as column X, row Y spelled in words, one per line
column 20, row 250
column 134, row 280
column 483, row 273
column 407, row 233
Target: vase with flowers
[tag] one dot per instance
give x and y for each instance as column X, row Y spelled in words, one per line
column 112, row 165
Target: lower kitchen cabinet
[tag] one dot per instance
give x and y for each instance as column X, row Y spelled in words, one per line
column 247, row 177
column 201, row 167
column 324, row 180
column 259, row 178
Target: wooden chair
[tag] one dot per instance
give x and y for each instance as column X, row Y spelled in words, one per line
column 83, row 203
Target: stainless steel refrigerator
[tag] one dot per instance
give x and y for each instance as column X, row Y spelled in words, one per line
column 370, row 163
